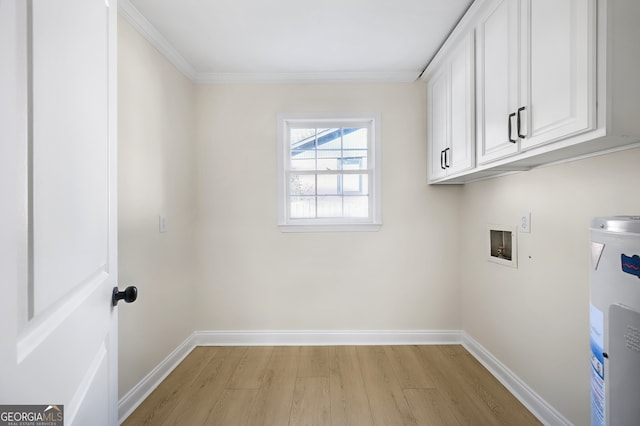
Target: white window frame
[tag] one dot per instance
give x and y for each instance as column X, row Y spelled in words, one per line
column 326, row 120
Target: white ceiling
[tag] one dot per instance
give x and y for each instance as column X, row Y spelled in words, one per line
column 296, row 40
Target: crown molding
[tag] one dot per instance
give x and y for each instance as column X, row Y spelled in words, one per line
column 307, row 78
column 129, row 12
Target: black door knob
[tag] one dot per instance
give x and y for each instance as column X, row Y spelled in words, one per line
column 130, row 294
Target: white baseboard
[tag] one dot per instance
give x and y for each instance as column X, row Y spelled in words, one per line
column 530, row 399
column 132, row 399
column 327, row 338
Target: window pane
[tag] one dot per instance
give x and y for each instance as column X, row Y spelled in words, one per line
column 303, row 154
column 329, row 185
column 301, row 137
column 355, row 184
column 329, row 207
column 302, row 207
column 328, row 164
column 302, row 185
column 303, row 164
column 354, row 159
column 328, row 159
column 356, row 207
column 353, row 163
column 329, row 138
column 355, row 138
column 303, row 159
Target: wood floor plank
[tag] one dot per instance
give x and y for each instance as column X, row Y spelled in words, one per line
column 272, row 405
column 162, row 401
column 251, row 369
column 386, row 399
column 198, row 400
column 409, row 366
column 314, row 361
column 349, row 402
column 430, row 408
column 231, row 408
column 311, row 403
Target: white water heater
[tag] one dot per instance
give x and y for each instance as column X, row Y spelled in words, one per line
column 615, row 321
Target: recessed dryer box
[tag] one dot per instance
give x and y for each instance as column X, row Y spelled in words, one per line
column 502, row 245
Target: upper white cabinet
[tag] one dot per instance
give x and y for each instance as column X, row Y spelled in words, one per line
column 558, row 69
column 450, row 111
column 536, row 74
column 437, row 124
column 555, row 80
column 497, row 73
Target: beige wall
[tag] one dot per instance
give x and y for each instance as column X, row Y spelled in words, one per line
column 155, row 161
column 535, row 318
column 205, row 156
column 253, row 277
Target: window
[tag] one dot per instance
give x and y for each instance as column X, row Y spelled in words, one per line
column 329, row 172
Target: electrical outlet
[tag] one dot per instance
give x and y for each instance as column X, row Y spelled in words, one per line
column 525, row 223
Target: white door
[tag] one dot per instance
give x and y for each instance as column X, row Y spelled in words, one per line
column 58, row 330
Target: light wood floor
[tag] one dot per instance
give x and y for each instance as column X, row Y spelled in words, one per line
column 337, row 385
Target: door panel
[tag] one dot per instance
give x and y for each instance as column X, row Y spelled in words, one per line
column 559, row 70
column 497, row 72
column 69, row 69
column 58, row 341
column 437, row 121
column 462, row 125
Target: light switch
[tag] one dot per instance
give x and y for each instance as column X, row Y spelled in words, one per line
column 525, row 223
column 162, row 224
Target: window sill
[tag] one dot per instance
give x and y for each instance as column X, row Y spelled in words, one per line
column 351, row 227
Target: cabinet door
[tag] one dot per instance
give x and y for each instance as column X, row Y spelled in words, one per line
column 498, row 81
column 461, row 156
column 558, row 69
column 437, row 122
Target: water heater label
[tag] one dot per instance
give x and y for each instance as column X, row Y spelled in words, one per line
column 596, row 318
column 631, row 265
